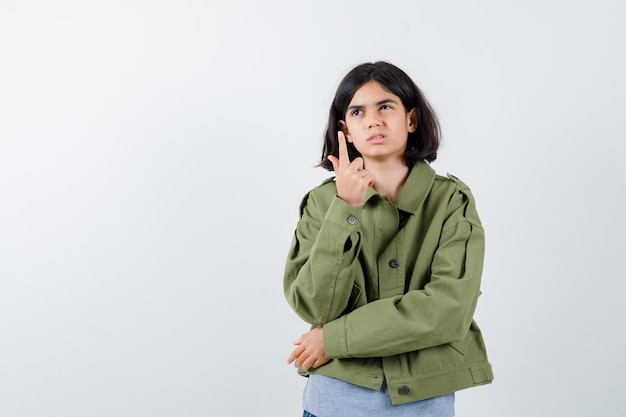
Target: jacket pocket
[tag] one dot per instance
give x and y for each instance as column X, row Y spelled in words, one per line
column 354, row 299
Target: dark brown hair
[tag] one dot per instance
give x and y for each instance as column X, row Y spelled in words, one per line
column 421, row 144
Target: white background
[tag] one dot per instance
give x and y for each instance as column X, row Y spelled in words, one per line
column 153, row 155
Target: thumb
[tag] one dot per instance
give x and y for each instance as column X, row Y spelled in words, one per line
column 333, row 160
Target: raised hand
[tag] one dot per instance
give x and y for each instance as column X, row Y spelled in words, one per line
column 351, row 178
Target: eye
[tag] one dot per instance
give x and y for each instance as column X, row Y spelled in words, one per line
column 356, row 112
column 385, row 107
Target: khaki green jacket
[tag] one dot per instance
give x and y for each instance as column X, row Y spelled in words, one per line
column 394, row 286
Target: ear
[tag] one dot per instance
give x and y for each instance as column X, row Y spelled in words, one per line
column 341, row 124
column 411, row 119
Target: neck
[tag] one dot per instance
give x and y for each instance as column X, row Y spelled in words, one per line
column 389, row 178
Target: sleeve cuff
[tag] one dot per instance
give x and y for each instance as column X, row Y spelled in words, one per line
column 344, row 215
column 335, row 341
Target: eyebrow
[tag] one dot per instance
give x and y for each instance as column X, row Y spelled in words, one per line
column 378, row 103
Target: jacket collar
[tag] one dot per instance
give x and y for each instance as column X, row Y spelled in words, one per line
column 415, row 189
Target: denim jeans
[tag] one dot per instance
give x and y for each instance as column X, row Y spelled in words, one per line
column 343, row 399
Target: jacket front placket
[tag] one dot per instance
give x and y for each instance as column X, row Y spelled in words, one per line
column 390, row 262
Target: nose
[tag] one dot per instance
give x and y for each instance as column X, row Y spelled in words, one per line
column 373, row 121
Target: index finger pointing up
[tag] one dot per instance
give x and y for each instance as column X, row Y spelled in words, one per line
column 343, row 148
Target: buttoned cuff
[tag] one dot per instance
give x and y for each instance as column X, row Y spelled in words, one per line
column 343, row 214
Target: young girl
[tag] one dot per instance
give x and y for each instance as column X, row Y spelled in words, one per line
column 386, row 261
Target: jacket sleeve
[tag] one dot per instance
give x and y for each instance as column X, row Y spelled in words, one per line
column 320, row 269
column 441, row 312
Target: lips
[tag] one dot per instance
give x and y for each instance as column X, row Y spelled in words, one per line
column 376, row 138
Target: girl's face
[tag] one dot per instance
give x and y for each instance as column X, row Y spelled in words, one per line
column 377, row 124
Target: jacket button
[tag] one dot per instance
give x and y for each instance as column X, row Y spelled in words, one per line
column 351, row 219
column 403, row 389
column 394, row 263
